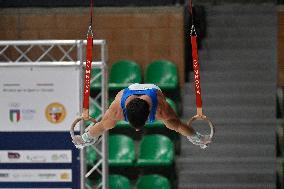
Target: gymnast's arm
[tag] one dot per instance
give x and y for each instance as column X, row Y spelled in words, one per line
column 170, row 118
column 111, row 116
column 92, row 134
column 105, row 124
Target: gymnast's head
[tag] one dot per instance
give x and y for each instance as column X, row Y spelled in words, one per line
column 137, row 111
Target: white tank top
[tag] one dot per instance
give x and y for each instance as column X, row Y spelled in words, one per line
column 137, row 86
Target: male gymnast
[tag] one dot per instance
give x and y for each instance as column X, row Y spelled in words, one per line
column 138, row 104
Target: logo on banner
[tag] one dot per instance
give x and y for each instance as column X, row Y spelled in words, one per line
column 36, row 158
column 47, row 175
column 14, row 155
column 55, row 113
column 60, row 157
column 4, row 175
column 15, row 115
column 64, row 176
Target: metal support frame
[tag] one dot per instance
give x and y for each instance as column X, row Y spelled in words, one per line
column 65, row 53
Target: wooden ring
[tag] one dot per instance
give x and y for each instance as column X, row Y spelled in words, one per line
column 76, row 121
column 203, row 117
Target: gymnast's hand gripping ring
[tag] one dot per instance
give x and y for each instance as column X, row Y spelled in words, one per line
column 204, row 118
column 77, row 121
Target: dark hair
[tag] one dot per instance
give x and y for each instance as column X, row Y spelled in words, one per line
column 137, row 111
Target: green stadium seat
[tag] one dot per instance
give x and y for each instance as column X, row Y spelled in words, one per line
column 91, row 156
column 122, row 124
column 172, row 104
column 153, row 181
column 121, row 150
column 162, row 73
column 123, row 73
column 119, row 182
column 116, row 181
column 155, row 150
column 155, row 124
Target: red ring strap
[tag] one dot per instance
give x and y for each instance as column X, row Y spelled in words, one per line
column 194, row 51
column 196, row 72
column 89, row 58
column 88, row 70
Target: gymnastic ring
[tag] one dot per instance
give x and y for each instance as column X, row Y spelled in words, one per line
column 203, row 117
column 76, row 121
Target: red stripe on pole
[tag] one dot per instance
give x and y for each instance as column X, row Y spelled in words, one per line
column 88, row 70
column 196, row 72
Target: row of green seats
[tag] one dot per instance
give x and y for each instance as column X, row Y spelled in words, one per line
column 151, row 181
column 154, row 150
column 125, row 72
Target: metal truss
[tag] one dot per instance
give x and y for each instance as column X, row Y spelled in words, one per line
column 62, row 53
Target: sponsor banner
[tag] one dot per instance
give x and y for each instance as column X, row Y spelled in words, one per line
column 35, row 175
column 35, row 156
column 39, row 99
